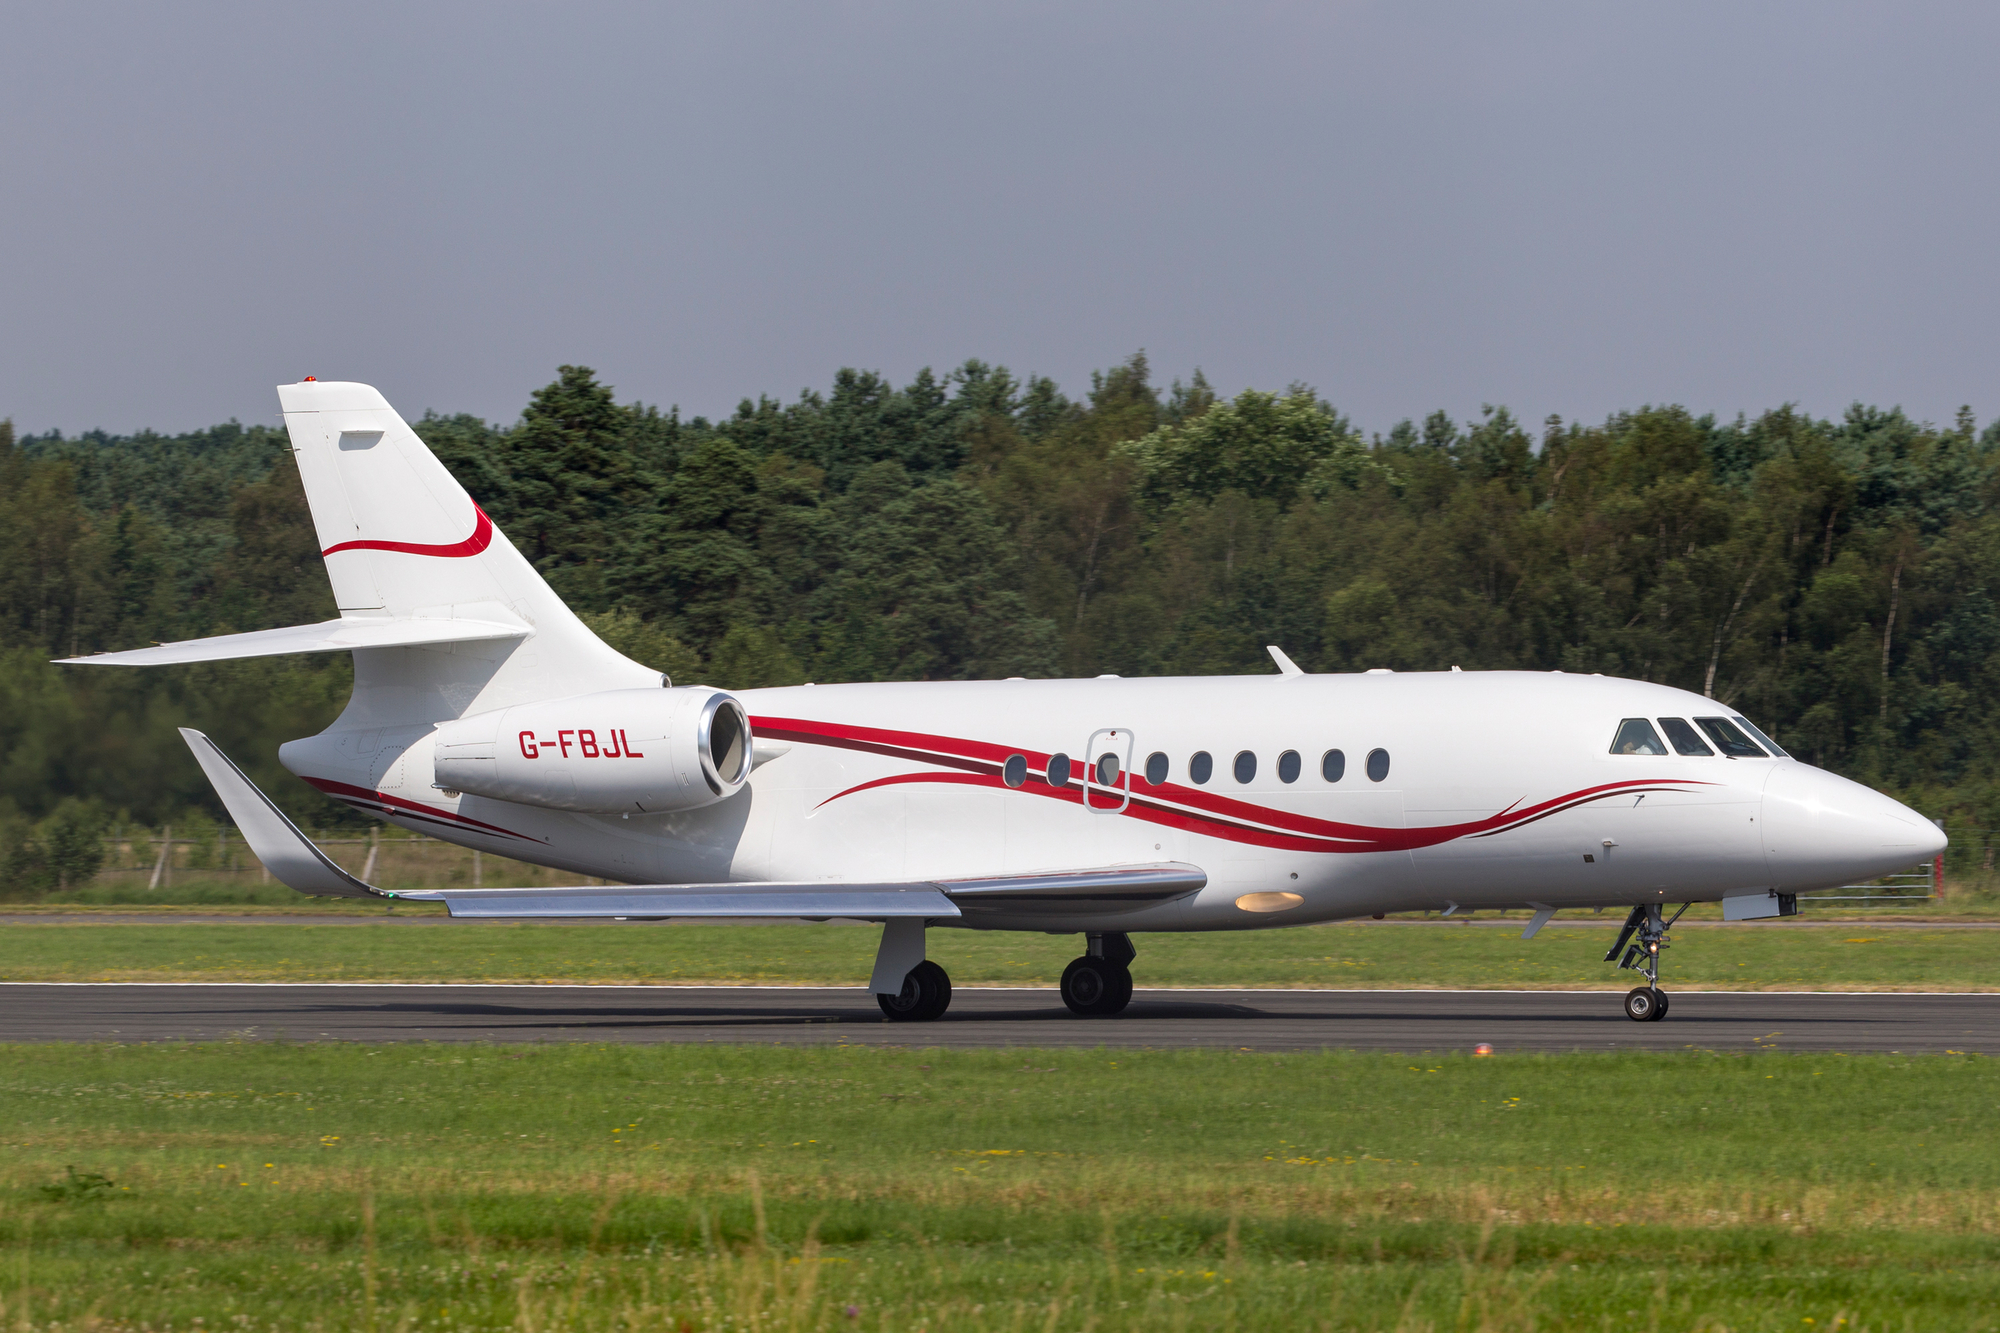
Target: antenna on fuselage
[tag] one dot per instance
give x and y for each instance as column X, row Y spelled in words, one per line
column 1286, row 666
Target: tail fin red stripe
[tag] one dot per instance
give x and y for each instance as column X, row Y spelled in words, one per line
column 481, row 538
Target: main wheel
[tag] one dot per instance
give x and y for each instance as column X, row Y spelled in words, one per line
column 1643, row 1004
column 926, row 994
column 1094, row 988
column 1664, row 1006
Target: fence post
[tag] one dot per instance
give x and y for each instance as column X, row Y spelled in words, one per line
column 160, row 862
column 1937, row 869
column 475, row 867
column 374, row 848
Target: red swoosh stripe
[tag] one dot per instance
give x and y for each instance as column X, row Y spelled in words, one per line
column 481, row 538
column 1172, row 804
column 383, row 803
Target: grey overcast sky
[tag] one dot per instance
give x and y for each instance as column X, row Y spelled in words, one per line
column 1561, row 207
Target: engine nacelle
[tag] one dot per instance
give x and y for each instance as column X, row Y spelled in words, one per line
column 619, row 751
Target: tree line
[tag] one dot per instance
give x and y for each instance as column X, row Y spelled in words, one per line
column 1834, row 579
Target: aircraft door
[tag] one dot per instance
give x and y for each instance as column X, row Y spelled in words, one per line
column 1107, row 771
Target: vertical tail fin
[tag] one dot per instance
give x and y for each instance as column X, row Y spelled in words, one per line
column 398, row 533
column 402, row 540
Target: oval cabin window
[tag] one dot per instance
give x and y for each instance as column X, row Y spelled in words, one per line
column 1246, row 766
column 1333, row 765
column 1059, row 770
column 1288, row 766
column 1200, row 768
column 1156, row 768
column 1015, row 771
column 1378, row 765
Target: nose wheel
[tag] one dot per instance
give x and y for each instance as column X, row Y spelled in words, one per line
column 1644, row 935
column 1645, row 1004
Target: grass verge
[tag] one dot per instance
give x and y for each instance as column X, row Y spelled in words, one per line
column 265, row 1186
column 1788, row 956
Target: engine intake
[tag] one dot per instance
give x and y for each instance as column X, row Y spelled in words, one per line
column 630, row 751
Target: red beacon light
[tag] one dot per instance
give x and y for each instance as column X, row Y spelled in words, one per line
column 310, row 379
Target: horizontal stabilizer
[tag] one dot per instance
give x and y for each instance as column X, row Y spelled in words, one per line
column 331, row 636
column 286, row 852
column 659, row 901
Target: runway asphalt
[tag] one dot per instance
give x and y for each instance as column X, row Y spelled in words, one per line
column 1401, row 1020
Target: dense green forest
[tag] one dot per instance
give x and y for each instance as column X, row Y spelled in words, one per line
column 1834, row 579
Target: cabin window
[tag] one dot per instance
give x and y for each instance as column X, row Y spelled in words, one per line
column 1288, row 766
column 1759, row 736
column 1636, row 736
column 1059, row 770
column 1333, row 765
column 1015, row 771
column 1685, row 738
column 1107, row 769
column 1728, row 739
column 1378, row 765
column 1201, row 768
column 1246, row 766
column 1156, row 768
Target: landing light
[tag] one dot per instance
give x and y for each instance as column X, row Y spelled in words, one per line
column 1269, row 902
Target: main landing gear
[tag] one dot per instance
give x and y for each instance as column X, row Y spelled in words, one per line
column 1647, row 1003
column 926, row 994
column 909, row 987
column 1099, row 984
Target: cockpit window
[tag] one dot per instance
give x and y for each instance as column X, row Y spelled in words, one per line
column 1759, row 736
column 1685, row 738
column 1728, row 739
column 1636, row 736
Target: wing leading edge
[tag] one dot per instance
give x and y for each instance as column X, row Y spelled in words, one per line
column 1062, row 892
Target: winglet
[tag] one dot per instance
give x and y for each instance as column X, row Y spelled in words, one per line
column 1286, row 666
column 276, row 840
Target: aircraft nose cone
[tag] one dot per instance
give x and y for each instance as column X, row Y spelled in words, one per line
column 1821, row 830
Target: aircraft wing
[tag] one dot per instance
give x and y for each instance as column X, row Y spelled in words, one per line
column 329, row 636
column 294, row 860
column 289, row 854
column 656, row 902
column 1064, row 892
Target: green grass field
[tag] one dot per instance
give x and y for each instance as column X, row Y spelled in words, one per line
column 266, row 1186
column 1849, row 955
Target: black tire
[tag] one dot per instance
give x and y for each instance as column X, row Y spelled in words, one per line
column 1642, row 1004
column 1115, row 1004
column 1661, row 1011
column 1094, row 988
column 925, row 996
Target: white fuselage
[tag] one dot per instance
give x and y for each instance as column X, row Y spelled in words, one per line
column 1501, row 790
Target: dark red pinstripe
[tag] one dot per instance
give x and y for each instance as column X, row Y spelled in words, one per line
column 397, row 805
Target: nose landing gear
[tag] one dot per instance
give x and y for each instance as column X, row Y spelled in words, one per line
column 1647, row 1003
column 1099, row 984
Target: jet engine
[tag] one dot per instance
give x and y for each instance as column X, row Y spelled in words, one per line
column 629, row 751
